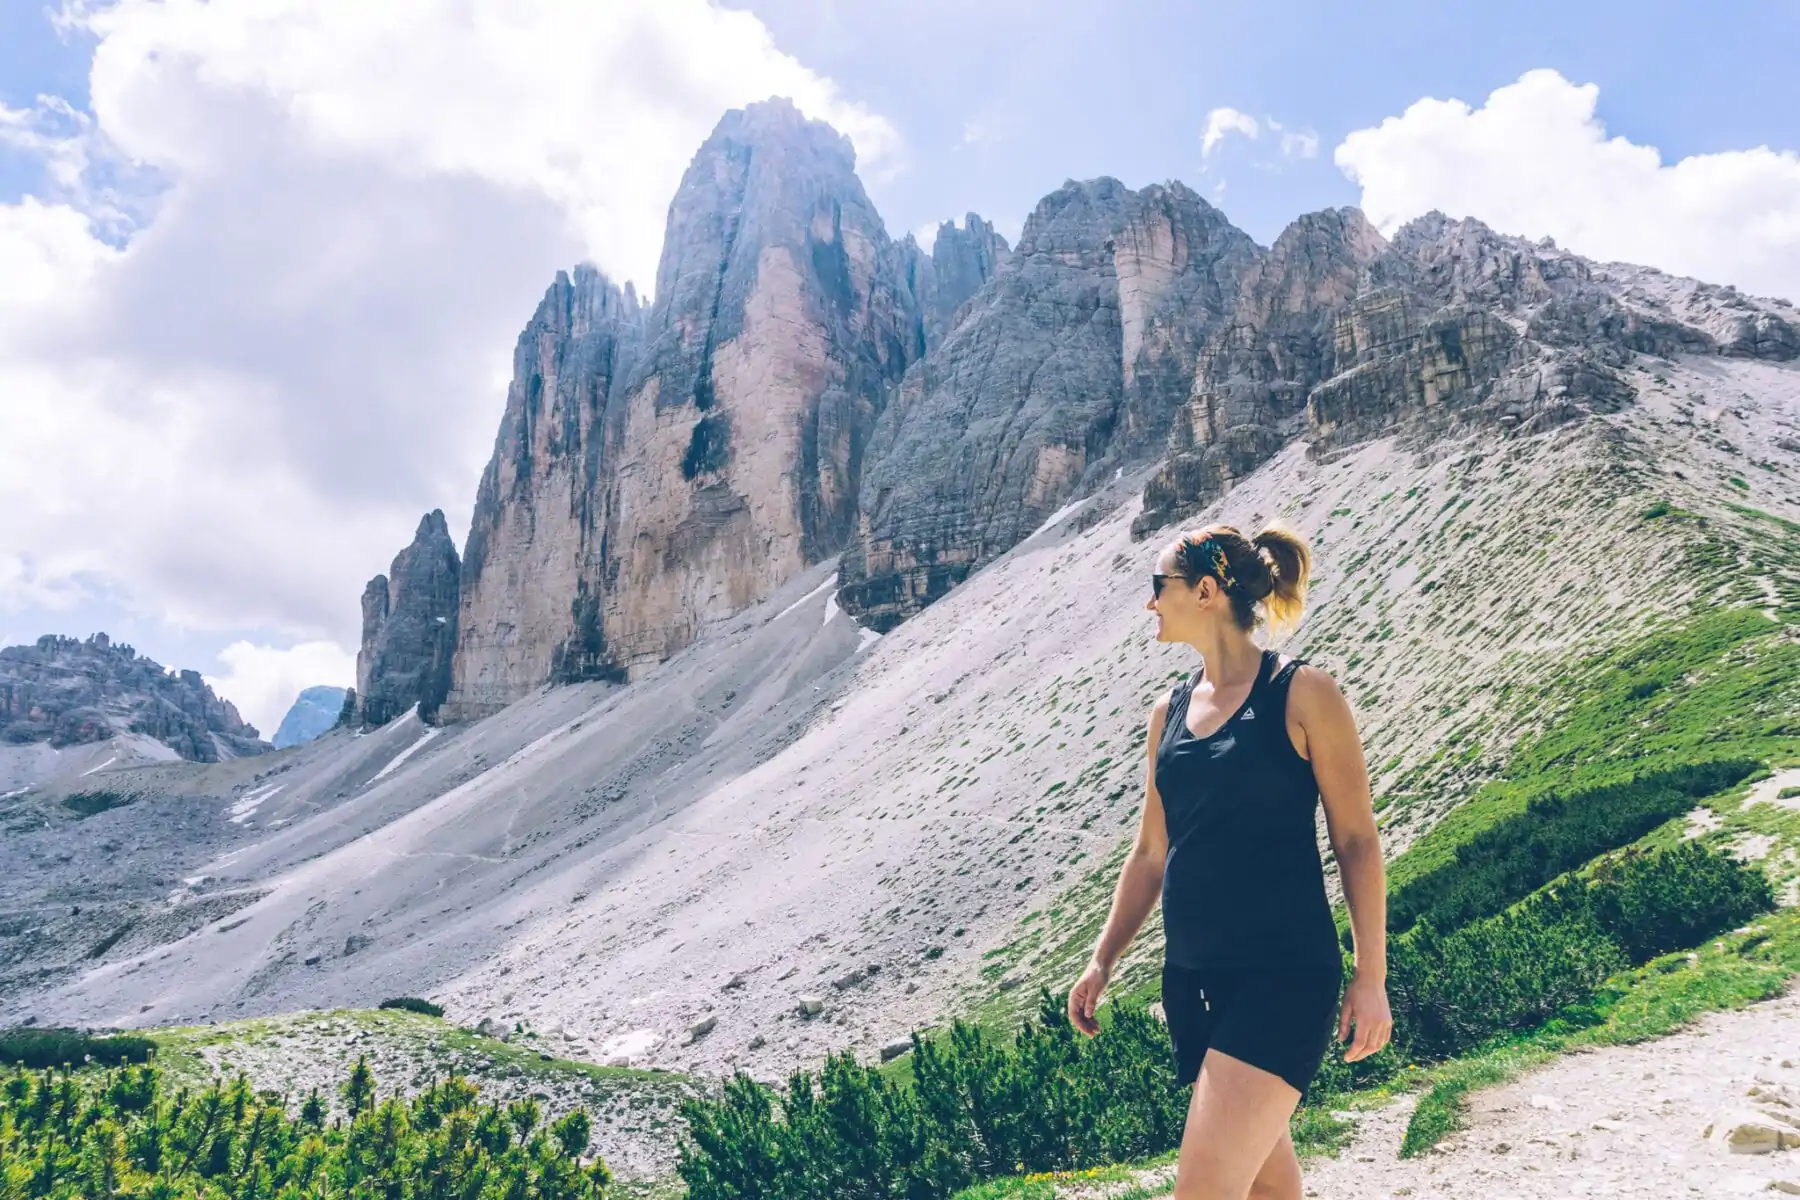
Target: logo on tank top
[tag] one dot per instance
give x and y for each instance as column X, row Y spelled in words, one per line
column 1249, row 714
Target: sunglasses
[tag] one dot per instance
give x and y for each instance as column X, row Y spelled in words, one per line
column 1156, row 582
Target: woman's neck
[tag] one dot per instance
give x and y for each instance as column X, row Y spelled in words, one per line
column 1230, row 657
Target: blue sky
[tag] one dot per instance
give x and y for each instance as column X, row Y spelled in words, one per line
column 268, row 264
column 1123, row 89
column 1074, row 90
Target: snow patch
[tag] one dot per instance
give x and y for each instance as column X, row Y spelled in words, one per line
column 406, row 754
column 829, row 583
column 109, row 762
column 245, row 808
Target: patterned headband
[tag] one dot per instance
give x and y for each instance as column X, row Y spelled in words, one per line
column 1215, row 555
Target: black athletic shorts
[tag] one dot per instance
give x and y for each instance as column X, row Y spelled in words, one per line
column 1280, row 1021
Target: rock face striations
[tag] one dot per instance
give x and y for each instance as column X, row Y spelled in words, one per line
column 67, row 691
column 1345, row 338
column 659, row 470
column 1253, row 377
column 782, row 319
column 530, row 598
column 1069, row 361
column 963, row 258
column 409, row 628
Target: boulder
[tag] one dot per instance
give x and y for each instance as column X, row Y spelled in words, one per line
column 1752, row 1131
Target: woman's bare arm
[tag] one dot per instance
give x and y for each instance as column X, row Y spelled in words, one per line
column 1139, row 888
column 1335, row 748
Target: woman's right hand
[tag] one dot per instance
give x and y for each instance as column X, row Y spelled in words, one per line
column 1085, row 996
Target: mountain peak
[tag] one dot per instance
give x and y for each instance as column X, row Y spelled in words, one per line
column 67, row 691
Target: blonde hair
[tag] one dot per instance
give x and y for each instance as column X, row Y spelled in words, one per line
column 1268, row 572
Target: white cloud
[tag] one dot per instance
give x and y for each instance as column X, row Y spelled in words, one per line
column 1298, row 143
column 235, row 415
column 263, row 682
column 1534, row 160
column 1220, row 123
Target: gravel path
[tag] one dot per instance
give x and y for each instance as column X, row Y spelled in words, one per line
column 1620, row 1121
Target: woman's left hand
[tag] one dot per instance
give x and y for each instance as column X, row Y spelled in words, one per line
column 1366, row 1007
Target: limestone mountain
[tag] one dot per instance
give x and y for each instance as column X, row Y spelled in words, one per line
column 409, row 628
column 1344, row 338
column 1067, row 366
column 532, row 567
column 313, row 712
column 1254, row 375
column 657, row 472
column 963, row 258
column 65, row 692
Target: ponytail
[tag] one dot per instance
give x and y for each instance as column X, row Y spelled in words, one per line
column 1289, row 560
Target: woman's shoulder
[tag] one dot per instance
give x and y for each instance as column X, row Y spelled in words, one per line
column 1308, row 683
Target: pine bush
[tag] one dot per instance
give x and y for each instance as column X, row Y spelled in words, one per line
column 94, row 1135
column 1668, row 900
column 1556, row 832
column 413, row 1004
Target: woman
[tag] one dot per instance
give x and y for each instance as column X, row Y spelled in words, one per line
column 1240, row 755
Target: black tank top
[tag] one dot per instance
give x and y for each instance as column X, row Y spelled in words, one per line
column 1243, row 884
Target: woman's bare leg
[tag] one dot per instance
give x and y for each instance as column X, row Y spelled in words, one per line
column 1279, row 1178
column 1236, row 1121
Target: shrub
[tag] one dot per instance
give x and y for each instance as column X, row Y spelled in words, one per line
column 70, row 1047
column 1451, row 991
column 1504, row 973
column 977, row 1108
column 1556, row 832
column 1651, row 904
column 89, row 804
column 413, row 1004
column 120, row 1134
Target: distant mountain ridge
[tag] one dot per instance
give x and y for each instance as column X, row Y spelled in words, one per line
column 313, row 712
column 68, row 691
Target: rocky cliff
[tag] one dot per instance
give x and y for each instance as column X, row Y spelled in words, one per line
column 1252, row 379
column 963, row 258
column 409, row 628
column 1342, row 338
column 66, row 691
column 1070, row 361
column 530, row 599
column 637, row 494
column 781, row 321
